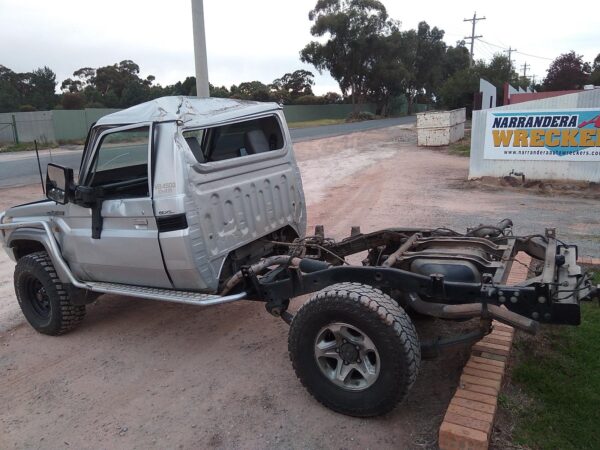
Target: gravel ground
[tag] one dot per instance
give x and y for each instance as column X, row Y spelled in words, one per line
column 141, row 374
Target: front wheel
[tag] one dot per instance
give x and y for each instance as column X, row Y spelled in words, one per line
column 354, row 349
column 42, row 297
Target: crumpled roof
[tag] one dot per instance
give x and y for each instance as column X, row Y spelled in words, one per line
column 193, row 111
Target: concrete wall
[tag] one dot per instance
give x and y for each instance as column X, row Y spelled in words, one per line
column 569, row 170
column 437, row 128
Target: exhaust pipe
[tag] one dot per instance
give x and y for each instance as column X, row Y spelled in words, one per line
column 471, row 310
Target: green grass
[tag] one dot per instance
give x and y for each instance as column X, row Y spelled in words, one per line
column 30, row 146
column 462, row 147
column 560, row 372
column 24, row 147
column 316, row 123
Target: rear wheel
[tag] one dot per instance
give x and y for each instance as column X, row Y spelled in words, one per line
column 42, row 296
column 354, row 349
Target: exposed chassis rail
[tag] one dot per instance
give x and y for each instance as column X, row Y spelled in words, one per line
column 552, row 295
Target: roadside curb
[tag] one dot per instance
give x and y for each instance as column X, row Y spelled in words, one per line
column 470, row 415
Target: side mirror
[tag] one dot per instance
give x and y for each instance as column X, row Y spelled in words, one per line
column 58, row 183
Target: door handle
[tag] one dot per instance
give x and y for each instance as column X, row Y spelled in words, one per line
column 140, row 224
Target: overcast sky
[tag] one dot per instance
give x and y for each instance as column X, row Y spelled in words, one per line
column 260, row 39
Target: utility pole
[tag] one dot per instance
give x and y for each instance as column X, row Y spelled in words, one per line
column 509, row 51
column 200, row 49
column 473, row 37
column 525, row 67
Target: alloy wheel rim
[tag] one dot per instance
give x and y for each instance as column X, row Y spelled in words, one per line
column 346, row 356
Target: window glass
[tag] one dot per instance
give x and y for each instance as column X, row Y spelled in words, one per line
column 235, row 140
column 121, row 156
column 194, row 142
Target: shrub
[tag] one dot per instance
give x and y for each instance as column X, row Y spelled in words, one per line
column 96, row 105
column 27, row 108
column 72, row 100
column 360, row 116
column 309, row 100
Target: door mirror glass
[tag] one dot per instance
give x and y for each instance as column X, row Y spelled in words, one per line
column 58, row 183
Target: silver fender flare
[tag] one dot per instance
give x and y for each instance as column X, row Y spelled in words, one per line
column 31, row 231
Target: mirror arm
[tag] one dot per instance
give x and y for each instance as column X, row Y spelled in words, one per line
column 97, row 219
column 92, row 197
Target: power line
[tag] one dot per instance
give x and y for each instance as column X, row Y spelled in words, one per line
column 510, row 50
column 495, row 45
column 502, row 43
column 516, row 51
column 473, row 36
column 534, row 56
column 491, row 50
column 483, row 47
column 484, row 54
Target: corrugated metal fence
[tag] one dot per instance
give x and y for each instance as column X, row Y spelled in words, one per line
column 61, row 126
column 48, row 126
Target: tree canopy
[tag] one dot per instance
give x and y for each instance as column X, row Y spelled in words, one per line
column 27, row 91
column 293, row 85
column 568, row 71
column 371, row 58
column 595, row 76
column 355, row 28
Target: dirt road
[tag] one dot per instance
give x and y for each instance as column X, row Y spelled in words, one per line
column 141, row 374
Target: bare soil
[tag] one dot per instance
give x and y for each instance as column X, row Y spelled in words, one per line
column 580, row 189
column 141, row 374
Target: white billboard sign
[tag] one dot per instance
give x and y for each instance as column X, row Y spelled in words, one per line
column 552, row 135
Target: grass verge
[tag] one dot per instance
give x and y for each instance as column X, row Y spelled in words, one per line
column 462, row 147
column 316, row 123
column 24, row 147
column 558, row 372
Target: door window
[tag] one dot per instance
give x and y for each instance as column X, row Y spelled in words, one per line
column 122, row 159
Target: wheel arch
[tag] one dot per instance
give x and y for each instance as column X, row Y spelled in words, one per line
column 252, row 252
column 25, row 241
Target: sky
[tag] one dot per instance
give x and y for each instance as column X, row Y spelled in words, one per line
column 261, row 39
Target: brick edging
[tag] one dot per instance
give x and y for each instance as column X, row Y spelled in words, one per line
column 588, row 260
column 470, row 415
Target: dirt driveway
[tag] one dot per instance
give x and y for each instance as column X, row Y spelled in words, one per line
column 141, row 374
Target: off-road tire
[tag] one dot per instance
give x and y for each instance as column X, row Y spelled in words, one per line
column 57, row 315
column 383, row 321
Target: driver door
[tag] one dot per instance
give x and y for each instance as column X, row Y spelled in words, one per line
column 128, row 249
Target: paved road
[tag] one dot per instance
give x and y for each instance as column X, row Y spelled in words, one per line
column 305, row 134
column 18, row 169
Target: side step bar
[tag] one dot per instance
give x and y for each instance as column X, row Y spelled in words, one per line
column 165, row 295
